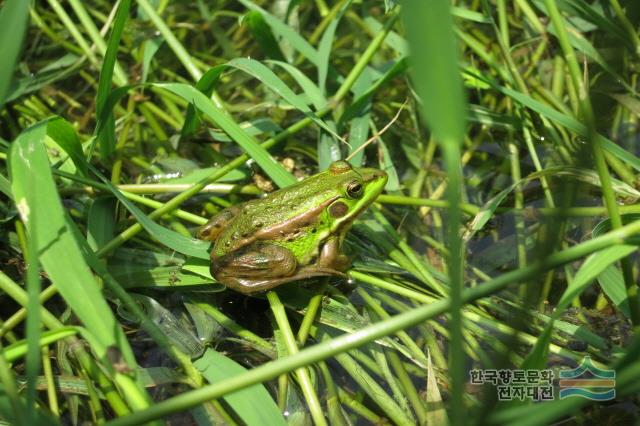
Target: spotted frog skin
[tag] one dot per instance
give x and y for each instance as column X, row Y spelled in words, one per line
column 293, row 233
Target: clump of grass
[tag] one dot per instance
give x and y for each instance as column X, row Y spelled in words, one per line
column 506, row 239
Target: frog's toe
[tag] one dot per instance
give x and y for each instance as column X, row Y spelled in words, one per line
column 248, row 286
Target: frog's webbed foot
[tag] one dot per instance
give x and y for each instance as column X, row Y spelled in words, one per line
column 253, row 286
column 317, row 271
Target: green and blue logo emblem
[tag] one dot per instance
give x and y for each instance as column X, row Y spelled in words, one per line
column 588, row 381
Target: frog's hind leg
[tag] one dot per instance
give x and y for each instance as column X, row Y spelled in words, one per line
column 256, row 267
column 262, row 266
column 257, row 260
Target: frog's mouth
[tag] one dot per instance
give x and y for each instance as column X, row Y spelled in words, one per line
column 374, row 182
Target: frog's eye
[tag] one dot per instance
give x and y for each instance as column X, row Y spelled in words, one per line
column 354, row 189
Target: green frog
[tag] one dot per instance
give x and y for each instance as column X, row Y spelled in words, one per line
column 293, row 233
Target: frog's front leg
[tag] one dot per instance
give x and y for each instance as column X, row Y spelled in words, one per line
column 210, row 230
column 330, row 256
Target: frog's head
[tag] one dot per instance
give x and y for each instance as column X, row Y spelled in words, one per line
column 357, row 187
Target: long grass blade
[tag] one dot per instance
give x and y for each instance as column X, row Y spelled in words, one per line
column 253, row 405
column 33, row 310
column 14, row 16
column 59, row 254
column 107, row 138
column 280, row 176
column 435, row 73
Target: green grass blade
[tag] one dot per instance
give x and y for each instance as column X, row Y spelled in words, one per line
column 309, row 88
column 386, row 163
column 287, row 346
column 56, row 71
column 5, row 186
column 374, row 390
column 171, row 239
column 253, row 405
column 579, row 42
column 33, row 308
column 66, row 137
column 17, row 350
column 328, row 148
column 11, row 405
column 462, row 13
column 324, row 48
column 263, row 35
column 101, row 222
column 398, row 68
column 435, row 71
column 585, row 11
column 107, row 138
column 359, row 124
column 591, row 269
column 276, row 85
column 151, row 47
column 91, row 30
column 13, row 411
column 14, row 17
column 393, row 40
column 270, row 166
column 284, row 31
column 568, row 122
column 436, row 413
column 171, row 39
column 184, row 340
column 437, row 78
column 612, row 283
column 206, row 84
column 59, row 254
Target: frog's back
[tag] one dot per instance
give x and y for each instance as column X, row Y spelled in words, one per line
column 290, row 216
